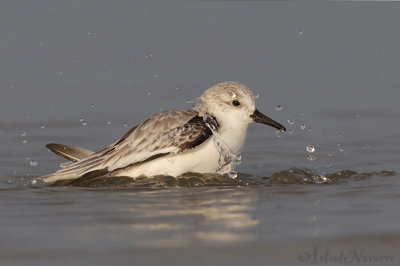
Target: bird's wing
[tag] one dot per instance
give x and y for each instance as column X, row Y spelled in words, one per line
column 71, row 153
column 166, row 133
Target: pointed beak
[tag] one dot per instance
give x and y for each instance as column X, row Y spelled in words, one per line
column 259, row 117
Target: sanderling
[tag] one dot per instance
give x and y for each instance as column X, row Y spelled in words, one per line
column 173, row 142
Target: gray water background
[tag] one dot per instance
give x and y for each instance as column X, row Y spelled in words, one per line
column 333, row 66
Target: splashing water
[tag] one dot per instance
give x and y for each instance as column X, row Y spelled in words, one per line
column 299, row 176
column 310, row 148
column 227, row 159
column 198, row 105
column 290, row 121
column 83, row 122
column 311, row 157
column 296, row 176
column 232, row 174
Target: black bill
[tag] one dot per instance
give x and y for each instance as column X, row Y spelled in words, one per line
column 259, row 117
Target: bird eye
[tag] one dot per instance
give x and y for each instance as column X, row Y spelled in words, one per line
column 236, row 103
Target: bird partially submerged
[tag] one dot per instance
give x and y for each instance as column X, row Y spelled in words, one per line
column 172, row 142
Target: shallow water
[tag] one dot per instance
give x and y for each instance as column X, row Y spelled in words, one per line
column 83, row 74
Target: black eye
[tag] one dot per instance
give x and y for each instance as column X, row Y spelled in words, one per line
column 236, row 103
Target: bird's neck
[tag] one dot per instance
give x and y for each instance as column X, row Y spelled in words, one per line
column 233, row 134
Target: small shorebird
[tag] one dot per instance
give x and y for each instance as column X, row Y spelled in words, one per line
column 172, row 142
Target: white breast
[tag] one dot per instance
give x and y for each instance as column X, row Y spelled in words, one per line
column 202, row 159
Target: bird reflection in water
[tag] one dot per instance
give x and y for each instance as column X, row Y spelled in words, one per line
column 176, row 218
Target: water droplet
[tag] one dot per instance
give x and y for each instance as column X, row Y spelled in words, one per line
column 301, row 33
column 211, row 124
column 232, row 174
column 125, row 124
column 83, row 122
column 302, row 126
column 340, row 149
column 279, row 107
column 33, row 163
column 238, row 158
column 366, row 147
column 60, row 72
column 24, row 134
column 176, row 88
column 310, row 148
column 311, row 157
column 198, row 104
column 92, row 105
column 309, row 130
column 104, row 64
column 25, row 141
column 108, row 122
column 328, row 164
column 89, row 33
column 42, row 126
column 329, row 154
column 291, row 122
column 33, row 182
column 290, row 131
column 156, row 76
column 149, row 93
column 257, row 96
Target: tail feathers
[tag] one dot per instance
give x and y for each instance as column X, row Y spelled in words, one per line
column 81, row 162
column 66, row 164
column 71, row 153
column 76, row 178
column 57, row 176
